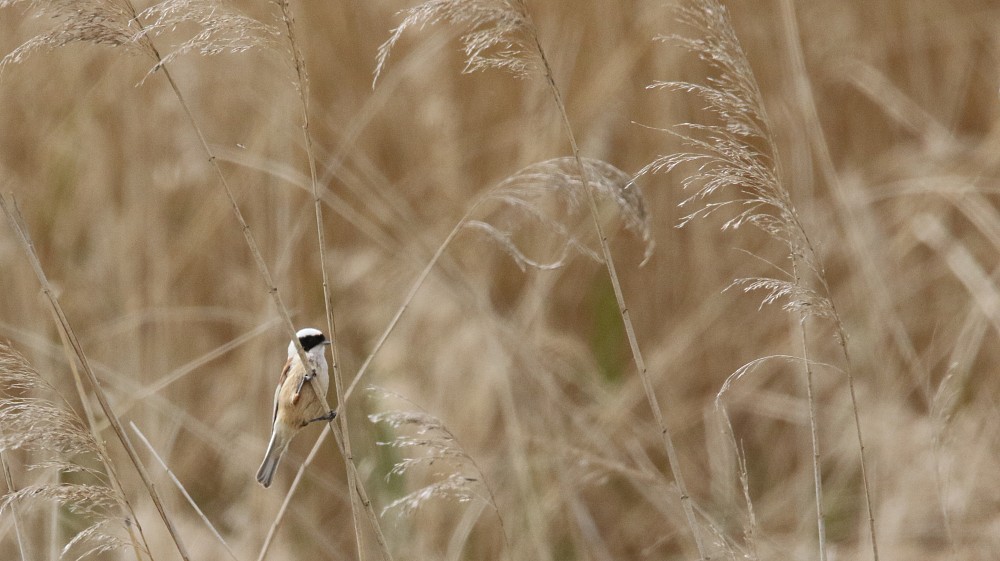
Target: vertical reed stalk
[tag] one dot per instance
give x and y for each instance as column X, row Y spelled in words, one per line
column 818, row 139
column 344, row 439
column 813, row 423
column 360, row 494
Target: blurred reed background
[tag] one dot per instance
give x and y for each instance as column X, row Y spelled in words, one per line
column 528, row 370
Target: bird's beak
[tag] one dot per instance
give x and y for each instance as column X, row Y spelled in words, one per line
column 326, row 343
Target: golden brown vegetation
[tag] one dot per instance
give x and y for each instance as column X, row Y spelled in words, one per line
column 510, row 418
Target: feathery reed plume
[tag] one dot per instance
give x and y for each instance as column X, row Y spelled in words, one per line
column 30, row 421
column 116, row 23
column 222, row 29
column 737, row 165
column 731, row 171
column 461, row 478
column 100, row 22
column 495, row 36
column 728, row 159
column 550, row 194
column 14, row 508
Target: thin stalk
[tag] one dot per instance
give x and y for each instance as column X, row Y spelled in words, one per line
column 359, row 488
column 341, row 430
column 496, row 508
column 609, row 263
column 419, row 282
column 818, row 139
column 81, row 391
column 258, row 258
column 813, row 423
column 16, row 222
column 55, row 529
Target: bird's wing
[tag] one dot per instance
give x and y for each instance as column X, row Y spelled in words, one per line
column 277, row 390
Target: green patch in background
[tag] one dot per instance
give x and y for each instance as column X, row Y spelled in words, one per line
column 607, row 335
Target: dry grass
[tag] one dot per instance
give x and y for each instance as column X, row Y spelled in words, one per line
column 886, row 124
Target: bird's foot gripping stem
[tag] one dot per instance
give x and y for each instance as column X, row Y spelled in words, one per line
column 326, row 418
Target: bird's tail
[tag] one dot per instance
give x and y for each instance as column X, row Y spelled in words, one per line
column 270, row 464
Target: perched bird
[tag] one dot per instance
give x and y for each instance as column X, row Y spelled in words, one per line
column 295, row 401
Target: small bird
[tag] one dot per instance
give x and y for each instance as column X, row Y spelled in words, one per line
column 295, row 402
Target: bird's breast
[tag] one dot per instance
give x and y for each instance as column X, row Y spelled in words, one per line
column 297, row 410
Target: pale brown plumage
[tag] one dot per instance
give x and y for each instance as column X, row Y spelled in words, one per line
column 296, row 408
column 296, row 404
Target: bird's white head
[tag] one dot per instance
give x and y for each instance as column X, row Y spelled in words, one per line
column 312, row 341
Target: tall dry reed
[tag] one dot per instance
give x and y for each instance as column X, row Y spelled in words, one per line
column 466, row 270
